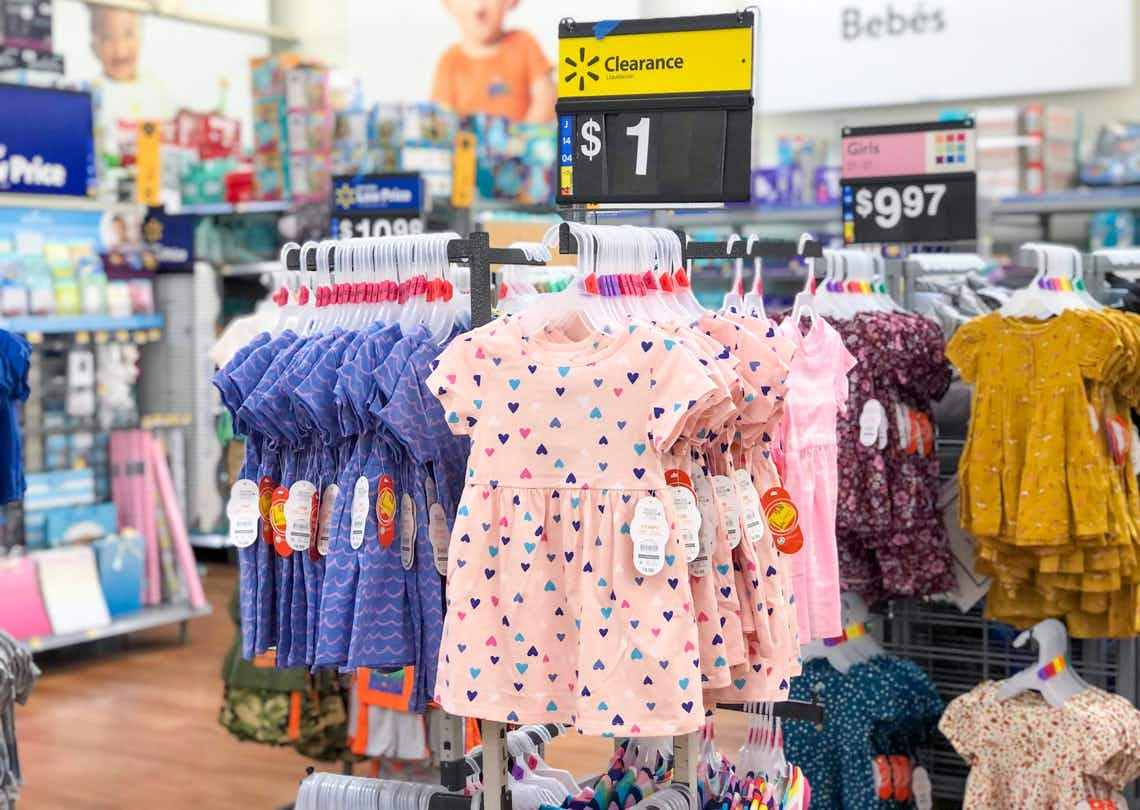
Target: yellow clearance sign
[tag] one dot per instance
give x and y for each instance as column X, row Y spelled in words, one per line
column 716, row 60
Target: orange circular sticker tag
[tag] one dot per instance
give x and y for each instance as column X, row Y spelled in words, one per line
column 783, row 519
column 277, row 521
column 386, row 511
column 264, row 501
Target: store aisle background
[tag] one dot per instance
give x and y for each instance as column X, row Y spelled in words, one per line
column 138, row 729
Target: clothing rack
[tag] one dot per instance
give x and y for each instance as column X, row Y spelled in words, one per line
column 475, row 251
column 786, row 710
column 740, row 249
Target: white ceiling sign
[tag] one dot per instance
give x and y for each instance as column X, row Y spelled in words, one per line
column 828, row 54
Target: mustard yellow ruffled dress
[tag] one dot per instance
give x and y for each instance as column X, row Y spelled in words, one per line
column 1056, row 518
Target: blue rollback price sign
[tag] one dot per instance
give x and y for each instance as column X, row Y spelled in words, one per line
column 377, row 205
column 47, row 144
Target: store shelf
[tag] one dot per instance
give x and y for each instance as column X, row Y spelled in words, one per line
column 249, row 269
column 732, row 216
column 142, row 620
column 1077, row 201
column 57, row 202
column 229, row 209
column 211, row 541
column 81, row 323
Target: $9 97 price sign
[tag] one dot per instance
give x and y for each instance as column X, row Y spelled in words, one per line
column 909, row 183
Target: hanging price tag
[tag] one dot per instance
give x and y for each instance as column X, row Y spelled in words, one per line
column 685, row 507
column 922, row 789
column 706, row 505
column 650, row 533
column 385, row 511
column 729, row 500
column 324, row 518
column 407, row 531
column 359, row 512
column 438, row 532
column 277, row 521
column 300, row 514
column 242, row 512
column 264, row 501
column 783, row 520
column 749, row 506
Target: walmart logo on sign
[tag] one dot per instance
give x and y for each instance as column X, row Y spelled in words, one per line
column 29, row 172
column 580, row 69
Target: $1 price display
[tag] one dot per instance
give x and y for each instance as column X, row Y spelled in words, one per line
column 889, row 204
column 592, row 142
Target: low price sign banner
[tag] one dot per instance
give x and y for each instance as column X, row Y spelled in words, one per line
column 47, row 144
column 910, row 183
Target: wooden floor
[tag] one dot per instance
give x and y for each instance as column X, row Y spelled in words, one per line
column 137, row 729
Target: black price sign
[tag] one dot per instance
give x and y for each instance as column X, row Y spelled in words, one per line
column 655, row 111
column 377, row 205
column 910, row 183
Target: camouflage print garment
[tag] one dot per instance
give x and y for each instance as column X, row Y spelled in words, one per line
column 262, row 716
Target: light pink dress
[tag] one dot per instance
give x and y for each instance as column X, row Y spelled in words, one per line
column 817, row 392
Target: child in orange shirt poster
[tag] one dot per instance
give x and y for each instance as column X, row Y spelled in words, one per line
column 492, row 70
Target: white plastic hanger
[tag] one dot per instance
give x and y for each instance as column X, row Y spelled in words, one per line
column 754, row 300
column 1051, row 675
column 804, row 303
column 1035, row 300
column 733, row 300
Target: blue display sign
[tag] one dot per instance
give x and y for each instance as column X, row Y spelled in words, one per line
column 170, row 237
column 377, row 205
column 47, row 143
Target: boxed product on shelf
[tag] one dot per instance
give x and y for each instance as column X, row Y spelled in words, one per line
column 69, row 582
column 120, row 559
column 515, row 161
column 22, row 611
column 47, row 490
column 1116, row 158
column 292, row 128
column 66, row 525
column 26, row 24
column 775, row 186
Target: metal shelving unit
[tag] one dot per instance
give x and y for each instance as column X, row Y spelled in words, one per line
column 1074, row 202
column 225, row 209
column 66, row 325
column 144, row 619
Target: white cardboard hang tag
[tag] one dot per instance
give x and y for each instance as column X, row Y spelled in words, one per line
column 649, row 531
column 688, row 520
column 324, row 517
column 921, row 788
column 438, row 533
column 299, row 515
column 729, row 506
column 407, row 527
column 871, row 422
column 359, row 512
column 750, row 513
column 706, row 505
column 243, row 513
